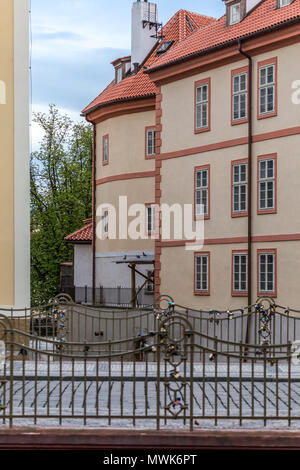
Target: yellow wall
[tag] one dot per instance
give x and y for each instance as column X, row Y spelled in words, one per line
column 126, row 155
column 7, row 154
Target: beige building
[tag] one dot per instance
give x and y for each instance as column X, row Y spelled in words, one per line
column 220, row 99
column 14, row 154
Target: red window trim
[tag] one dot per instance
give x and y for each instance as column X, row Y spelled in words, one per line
column 196, row 168
column 233, row 292
column 234, row 215
column 197, row 292
column 266, row 251
column 274, row 61
column 149, row 128
column 106, row 136
column 266, row 157
column 233, row 73
column 198, row 83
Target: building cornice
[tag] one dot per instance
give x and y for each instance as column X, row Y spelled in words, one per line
column 121, row 107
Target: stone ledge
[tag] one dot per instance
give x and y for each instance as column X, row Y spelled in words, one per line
column 114, row 439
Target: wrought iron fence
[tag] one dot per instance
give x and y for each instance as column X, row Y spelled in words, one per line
column 173, row 373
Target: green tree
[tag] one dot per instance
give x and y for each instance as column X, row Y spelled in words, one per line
column 61, row 197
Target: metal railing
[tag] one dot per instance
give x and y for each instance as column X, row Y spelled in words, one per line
column 171, row 375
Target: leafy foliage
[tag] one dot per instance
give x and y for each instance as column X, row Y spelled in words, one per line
column 61, row 197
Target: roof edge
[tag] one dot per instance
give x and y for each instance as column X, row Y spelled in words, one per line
column 223, row 45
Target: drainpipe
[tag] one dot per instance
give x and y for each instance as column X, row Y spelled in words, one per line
column 94, row 214
column 249, row 198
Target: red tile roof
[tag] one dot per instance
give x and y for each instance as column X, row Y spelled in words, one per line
column 264, row 16
column 83, row 235
column 140, row 85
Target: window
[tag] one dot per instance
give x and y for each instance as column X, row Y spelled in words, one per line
column 239, row 188
column 267, row 169
column 267, row 93
column 119, row 74
column 239, row 96
column 235, row 14
column 239, row 273
column 105, row 149
column 105, row 223
column 284, row 3
column 150, row 218
column 202, row 106
column 267, row 272
column 150, row 142
column 149, row 284
column 202, row 196
column 164, row 47
column 202, row 274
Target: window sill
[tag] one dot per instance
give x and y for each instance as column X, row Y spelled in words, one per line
column 268, row 115
column 199, row 131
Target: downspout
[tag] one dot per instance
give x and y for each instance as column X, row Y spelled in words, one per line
column 94, row 214
column 249, row 195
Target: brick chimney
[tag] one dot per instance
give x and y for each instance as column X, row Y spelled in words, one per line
column 143, row 28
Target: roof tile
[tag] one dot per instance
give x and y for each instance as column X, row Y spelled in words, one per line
column 264, row 16
column 140, row 85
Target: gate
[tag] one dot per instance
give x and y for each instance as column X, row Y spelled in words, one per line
column 164, row 367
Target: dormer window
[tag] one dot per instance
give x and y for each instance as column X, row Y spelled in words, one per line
column 235, row 13
column 122, row 68
column 284, row 3
column 119, row 74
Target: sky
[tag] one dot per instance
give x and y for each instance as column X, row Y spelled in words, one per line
column 74, row 42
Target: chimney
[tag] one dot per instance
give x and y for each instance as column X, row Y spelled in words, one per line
column 143, row 30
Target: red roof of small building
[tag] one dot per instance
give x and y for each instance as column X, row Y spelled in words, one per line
column 140, row 85
column 83, row 235
column 261, row 18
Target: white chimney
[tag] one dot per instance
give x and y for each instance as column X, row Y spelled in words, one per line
column 143, row 28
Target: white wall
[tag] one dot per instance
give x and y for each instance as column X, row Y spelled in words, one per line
column 111, row 274
column 83, row 265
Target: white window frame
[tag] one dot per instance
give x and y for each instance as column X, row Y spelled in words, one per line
column 105, row 150
column 150, row 218
column 264, row 182
column 237, row 95
column 202, row 193
column 119, row 74
column 105, row 220
column 151, row 145
column 284, row 3
column 264, row 284
column 202, row 106
column 240, row 273
column 235, row 14
column 264, row 88
column 240, row 184
column 202, row 273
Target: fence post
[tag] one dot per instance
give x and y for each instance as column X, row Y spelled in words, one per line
column 85, row 294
